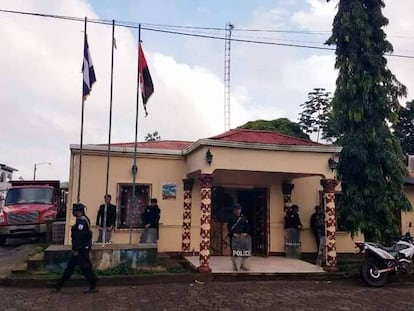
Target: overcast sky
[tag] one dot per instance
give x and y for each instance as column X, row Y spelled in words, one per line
column 41, row 80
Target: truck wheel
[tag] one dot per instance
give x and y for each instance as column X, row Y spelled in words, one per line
column 370, row 274
column 2, row 240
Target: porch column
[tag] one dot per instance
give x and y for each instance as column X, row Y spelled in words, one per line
column 205, row 222
column 287, row 194
column 330, row 218
column 186, row 236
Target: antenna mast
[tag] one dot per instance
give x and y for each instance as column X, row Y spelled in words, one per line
column 227, row 56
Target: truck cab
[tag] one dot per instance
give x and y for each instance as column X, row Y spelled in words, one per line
column 28, row 206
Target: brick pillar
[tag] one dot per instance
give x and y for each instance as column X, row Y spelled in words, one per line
column 287, row 194
column 186, row 235
column 205, row 222
column 330, row 218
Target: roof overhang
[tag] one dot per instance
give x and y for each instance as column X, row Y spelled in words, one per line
column 211, row 143
column 125, row 150
column 8, row 168
column 259, row 146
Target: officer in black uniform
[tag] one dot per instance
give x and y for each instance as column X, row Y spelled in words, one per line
column 240, row 241
column 81, row 246
column 151, row 220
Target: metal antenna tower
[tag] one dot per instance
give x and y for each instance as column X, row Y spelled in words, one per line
column 227, row 49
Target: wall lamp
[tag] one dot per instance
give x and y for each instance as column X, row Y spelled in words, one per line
column 209, row 156
column 333, row 162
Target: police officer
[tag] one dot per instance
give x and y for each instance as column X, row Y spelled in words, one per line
column 151, row 220
column 81, row 246
column 240, row 241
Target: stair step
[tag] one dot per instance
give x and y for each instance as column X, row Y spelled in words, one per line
column 19, row 268
column 35, row 262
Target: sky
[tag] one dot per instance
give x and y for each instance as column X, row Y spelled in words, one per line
column 41, row 79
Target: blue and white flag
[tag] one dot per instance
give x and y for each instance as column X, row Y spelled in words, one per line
column 88, row 72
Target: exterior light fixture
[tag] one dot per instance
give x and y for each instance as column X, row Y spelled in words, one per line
column 209, row 156
column 333, row 162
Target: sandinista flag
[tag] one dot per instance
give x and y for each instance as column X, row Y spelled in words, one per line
column 145, row 80
column 88, row 72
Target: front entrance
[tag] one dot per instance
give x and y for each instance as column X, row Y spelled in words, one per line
column 254, row 203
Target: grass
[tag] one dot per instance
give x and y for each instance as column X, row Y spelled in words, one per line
column 124, row 270
column 164, row 264
column 38, row 249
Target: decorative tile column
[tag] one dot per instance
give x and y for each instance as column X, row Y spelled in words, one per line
column 287, row 194
column 330, row 218
column 205, row 222
column 186, row 235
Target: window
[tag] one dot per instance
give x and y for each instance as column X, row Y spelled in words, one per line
column 127, row 213
column 29, row 195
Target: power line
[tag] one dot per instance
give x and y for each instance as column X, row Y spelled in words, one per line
column 131, row 25
column 240, row 40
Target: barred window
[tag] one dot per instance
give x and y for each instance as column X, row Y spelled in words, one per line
column 126, row 211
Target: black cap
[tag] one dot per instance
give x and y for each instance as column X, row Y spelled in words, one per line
column 153, row 200
column 237, row 206
column 78, row 206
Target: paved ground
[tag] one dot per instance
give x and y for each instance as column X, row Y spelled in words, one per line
column 270, row 295
column 13, row 254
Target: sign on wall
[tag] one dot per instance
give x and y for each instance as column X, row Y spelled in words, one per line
column 169, row 191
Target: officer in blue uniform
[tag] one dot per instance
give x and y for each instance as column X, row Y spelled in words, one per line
column 81, row 246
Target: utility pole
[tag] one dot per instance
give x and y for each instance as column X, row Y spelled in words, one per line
column 227, row 57
column 35, row 168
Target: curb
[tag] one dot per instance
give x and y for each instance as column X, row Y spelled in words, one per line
column 133, row 280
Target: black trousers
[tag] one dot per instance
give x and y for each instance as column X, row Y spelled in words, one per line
column 84, row 262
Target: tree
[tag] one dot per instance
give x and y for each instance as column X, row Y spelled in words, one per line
column 316, row 111
column 371, row 167
column 281, row 125
column 404, row 129
column 152, row 136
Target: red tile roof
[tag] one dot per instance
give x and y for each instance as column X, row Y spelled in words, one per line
column 235, row 135
column 263, row 137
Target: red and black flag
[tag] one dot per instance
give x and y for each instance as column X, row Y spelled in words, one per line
column 145, row 80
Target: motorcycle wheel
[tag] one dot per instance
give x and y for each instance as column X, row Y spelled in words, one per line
column 370, row 275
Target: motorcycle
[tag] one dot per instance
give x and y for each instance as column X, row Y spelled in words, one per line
column 381, row 261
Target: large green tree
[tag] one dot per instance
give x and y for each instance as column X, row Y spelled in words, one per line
column 371, row 167
column 404, row 129
column 281, row 125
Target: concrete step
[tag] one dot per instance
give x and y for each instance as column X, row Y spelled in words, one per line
column 19, row 268
column 35, row 263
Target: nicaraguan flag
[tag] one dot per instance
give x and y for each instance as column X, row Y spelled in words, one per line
column 145, row 80
column 88, row 72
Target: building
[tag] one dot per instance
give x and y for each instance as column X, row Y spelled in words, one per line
column 196, row 183
column 6, row 175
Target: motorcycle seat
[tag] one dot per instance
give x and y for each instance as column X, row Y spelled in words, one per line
column 388, row 249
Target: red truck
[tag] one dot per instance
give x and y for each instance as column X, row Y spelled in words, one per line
column 28, row 206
